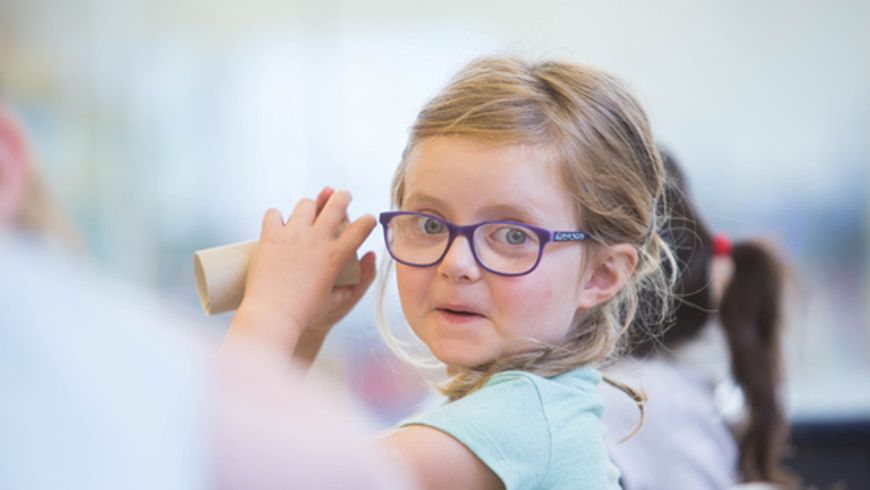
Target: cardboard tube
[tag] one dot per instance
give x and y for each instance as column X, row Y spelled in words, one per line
column 221, row 273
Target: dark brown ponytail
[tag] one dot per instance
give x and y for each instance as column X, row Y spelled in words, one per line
column 751, row 314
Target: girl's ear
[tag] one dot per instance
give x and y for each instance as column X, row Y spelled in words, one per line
column 14, row 170
column 610, row 270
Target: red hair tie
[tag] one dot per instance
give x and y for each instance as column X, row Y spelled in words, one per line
column 721, row 245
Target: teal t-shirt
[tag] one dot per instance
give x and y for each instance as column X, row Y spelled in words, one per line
column 533, row 432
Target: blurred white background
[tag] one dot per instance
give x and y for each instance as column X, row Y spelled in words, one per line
column 168, row 126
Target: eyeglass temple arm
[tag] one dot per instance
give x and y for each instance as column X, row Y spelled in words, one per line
column 569, row 236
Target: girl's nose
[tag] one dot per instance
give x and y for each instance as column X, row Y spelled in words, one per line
column 459, row 262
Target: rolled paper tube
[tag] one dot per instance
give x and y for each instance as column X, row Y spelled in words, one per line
column 221, row 273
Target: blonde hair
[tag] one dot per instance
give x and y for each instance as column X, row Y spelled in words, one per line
column 599, row 137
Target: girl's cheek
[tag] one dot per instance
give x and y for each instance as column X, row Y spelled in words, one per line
column 410, row 281
column 528, row 301
column 413, row 287
column 539, row 309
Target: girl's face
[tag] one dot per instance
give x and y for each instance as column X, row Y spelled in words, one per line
column 465, row 314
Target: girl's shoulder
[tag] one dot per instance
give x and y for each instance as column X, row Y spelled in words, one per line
column 526, row 427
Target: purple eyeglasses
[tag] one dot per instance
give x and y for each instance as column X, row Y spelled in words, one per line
column 506, row 248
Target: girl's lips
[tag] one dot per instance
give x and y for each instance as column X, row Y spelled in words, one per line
column 458, row 312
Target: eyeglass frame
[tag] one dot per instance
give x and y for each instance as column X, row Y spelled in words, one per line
column 544, row 235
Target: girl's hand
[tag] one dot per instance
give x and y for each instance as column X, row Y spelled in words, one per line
column 290, row 286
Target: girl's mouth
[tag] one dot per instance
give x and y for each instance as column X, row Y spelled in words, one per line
column 459, row 312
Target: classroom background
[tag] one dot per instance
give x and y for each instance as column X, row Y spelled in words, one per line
column 169, row 126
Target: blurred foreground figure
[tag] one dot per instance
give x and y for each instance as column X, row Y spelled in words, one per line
column 106, row 387
column 714, row 418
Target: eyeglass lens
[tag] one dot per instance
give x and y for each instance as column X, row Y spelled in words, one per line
column 505, row 248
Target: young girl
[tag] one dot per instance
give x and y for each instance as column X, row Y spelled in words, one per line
column 730, row 297
column 524, row 234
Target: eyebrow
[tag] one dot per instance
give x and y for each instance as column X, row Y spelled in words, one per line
column 423, row 199
column 525, row 213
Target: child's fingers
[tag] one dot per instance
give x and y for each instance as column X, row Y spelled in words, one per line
column 334, row 211
column 367, row 272
column 323, row 197
column 304, row 213
column 272, row 221
column 356, row 233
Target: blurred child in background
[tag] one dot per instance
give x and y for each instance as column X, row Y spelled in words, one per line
column 728, row 312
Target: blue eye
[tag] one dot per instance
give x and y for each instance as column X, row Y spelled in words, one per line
column 430, row 226
column 512, row 236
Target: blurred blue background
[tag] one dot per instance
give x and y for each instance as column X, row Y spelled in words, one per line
column 168, row 126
